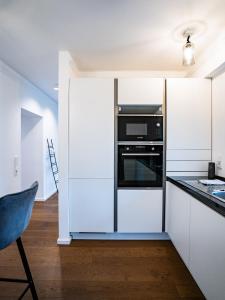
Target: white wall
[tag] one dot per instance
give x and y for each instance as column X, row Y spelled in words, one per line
column 67, row 70
column 9, row 130
column 17, row 93
column 35, row 101
column 32, row 164
column 218, row 125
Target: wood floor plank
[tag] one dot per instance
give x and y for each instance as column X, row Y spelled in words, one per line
column 94, row 270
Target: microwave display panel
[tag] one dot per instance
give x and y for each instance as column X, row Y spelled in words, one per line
column 136, row 129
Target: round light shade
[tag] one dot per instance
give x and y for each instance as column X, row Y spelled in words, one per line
column 188, row 54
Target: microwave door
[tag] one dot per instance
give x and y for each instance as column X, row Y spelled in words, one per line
column 140, row 128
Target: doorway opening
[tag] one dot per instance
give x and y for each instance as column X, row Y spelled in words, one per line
column 32, row 162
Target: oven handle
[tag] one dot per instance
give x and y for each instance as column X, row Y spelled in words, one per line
column 140, row 154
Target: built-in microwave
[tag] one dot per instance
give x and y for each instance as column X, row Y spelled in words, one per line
column 140, row 128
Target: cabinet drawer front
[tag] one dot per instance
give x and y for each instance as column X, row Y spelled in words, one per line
column 139, row 211
column 186, row 173
column 188, row 155
column 91, row 205
column 186, row 166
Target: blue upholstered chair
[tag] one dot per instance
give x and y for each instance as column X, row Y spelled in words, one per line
column 15, row 214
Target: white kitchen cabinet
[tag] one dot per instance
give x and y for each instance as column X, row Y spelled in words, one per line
column 188, row 155
column 139, row 211
column 197, row 232
column 91, row 128
column 207, row 248
column 189, row 114
column 178, row 219
column 91, row 155
column 91, row 205
column 186, row 166
column 140, row 91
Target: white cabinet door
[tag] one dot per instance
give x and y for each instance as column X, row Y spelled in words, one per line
column 139, row 211
column 188, row 113
column 140, row 91
column 207, row 248
column 91, row 128
column 91, row 205
column 177, row 219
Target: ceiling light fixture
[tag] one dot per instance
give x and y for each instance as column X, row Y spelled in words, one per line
column 188, row 51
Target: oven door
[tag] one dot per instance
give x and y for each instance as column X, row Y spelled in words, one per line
column 140, row 169
column 140, row 128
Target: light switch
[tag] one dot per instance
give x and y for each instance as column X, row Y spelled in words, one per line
column 16, row 165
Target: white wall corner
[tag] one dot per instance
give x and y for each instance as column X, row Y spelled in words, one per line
column 210, row 62
column 67, row 69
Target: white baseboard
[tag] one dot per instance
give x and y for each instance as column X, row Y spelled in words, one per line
column 45, row 198
column 64, row 241
column 120, row 236
column 40, row 199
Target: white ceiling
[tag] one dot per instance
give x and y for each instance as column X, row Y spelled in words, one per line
column 101, row 34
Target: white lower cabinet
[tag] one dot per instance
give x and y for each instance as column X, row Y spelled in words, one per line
column 91, row 205
column 139, row 211
column 197, row 232
column 207, row 250
column 177, row 219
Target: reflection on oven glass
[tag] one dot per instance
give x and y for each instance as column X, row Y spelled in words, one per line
column 138, row 170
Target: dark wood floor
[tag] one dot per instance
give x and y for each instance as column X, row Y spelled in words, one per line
column 95, row 269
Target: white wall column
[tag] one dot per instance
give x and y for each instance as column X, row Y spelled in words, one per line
column 67, row 69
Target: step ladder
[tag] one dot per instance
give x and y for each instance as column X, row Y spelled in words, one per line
column 54, row 166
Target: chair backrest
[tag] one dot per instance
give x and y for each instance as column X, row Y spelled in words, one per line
column 15, row 214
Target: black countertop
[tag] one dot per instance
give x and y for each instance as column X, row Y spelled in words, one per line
column 199, row 191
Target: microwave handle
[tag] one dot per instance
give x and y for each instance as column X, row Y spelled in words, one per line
column 140, row 154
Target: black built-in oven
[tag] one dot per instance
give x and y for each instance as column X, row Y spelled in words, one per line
column 140, row 165
column 140, row 128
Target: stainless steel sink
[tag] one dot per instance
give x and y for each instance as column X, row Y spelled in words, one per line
column 220, row 194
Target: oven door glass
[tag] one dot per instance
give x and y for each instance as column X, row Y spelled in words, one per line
column 140, row 170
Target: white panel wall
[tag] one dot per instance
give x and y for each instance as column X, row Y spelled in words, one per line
column 218, row 125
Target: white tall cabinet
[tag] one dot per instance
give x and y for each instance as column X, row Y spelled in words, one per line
column 91, row 155
column 188, row 125
column 140, row 211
